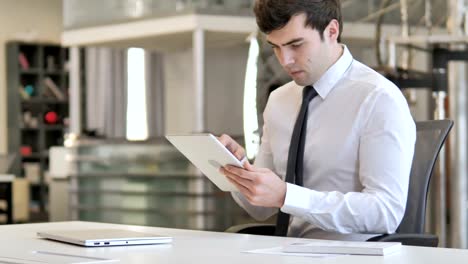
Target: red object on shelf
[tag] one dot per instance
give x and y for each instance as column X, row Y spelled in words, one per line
column 51, row 117
column 23, row 61
column 26, row 150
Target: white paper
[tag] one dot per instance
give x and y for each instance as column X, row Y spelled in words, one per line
column 35, row 257
column 343, row 247
column 279, row 251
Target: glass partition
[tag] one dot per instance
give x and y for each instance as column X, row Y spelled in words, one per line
column 145, row 184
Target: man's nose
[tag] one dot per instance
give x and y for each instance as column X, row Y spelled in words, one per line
column 286, row 58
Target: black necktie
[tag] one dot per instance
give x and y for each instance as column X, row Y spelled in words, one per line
column 296, row 155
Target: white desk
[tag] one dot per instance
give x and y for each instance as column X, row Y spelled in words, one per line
column 196, row 247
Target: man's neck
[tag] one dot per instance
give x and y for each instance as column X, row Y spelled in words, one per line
column 336, row 54
column 339, row 52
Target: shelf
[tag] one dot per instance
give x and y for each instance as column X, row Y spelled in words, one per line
column 31, row 64
column 36, row 155
column 43, row 101
column 165, row 33
column 30, row 71
column 45, row 127
column 54, row 127
column 29, row 128
column 33, row 156
column 37, row 185
column 54, row 72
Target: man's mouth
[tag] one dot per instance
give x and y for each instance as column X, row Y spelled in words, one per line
column 294, row 73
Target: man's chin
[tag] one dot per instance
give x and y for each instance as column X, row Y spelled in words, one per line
column 300, row 82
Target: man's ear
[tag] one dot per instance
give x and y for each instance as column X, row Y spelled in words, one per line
column 332, row 31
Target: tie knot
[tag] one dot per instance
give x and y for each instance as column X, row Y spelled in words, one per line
column 308, row 93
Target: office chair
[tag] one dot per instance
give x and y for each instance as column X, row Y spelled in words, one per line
column 430, row 137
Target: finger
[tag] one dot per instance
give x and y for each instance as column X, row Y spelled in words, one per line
column 228, row 142
column 236, row 150
column 241, row 189
column 248, row 184
column 248, row 166
column 239, row 153
column 234, row 174
column 241, row 184
column 224, row 139
column 240, row 172
column 232, row 146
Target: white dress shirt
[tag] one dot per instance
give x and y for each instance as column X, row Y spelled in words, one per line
column 358, row 154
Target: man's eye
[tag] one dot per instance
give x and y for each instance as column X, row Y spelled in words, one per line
column 296, row 45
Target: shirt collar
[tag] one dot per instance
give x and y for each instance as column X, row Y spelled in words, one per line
column 328, row 80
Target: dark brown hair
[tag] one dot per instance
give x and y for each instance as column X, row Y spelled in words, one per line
column 275, row 14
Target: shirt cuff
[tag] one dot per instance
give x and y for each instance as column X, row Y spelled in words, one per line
column 298, row 200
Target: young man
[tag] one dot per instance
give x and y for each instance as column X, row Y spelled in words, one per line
column 359, row 137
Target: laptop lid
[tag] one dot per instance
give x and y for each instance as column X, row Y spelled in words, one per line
column 104, row 237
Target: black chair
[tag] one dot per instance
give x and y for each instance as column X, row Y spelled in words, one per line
column 430, row 138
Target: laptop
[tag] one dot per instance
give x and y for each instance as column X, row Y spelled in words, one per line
column 104, row 237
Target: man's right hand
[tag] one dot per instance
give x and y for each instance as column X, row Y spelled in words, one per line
column 232, row 146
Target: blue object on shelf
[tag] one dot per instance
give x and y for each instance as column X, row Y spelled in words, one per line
column 29, row 89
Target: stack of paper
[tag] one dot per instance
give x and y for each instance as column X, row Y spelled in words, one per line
column 344, row 247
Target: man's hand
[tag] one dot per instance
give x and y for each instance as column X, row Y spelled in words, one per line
column 232, row 146
column 260, row 186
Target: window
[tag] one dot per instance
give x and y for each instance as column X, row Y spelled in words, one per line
column 137, row 125
column 250, row 101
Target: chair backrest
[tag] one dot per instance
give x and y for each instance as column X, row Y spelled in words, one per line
column 430, row 137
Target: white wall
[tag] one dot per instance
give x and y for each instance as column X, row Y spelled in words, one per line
column 38, row 20
column 224, row 90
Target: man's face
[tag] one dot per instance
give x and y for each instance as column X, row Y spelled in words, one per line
column 300, row 50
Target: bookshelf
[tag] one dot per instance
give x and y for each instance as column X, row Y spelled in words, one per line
column 38, row 110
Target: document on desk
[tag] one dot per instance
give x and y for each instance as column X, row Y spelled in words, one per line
column 344, row 247
column 330, row 248
column 36, row 257
column 279, row 251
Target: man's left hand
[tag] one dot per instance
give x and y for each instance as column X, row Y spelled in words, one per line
column 260, row 186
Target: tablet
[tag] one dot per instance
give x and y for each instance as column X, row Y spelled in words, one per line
column 208, row 155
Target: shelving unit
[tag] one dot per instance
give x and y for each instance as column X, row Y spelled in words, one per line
column 38, row 111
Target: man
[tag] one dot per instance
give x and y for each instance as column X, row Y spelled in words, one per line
column 356, row 157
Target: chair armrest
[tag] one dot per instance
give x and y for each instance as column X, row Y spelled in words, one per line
column 422, row 240
column 253, row 229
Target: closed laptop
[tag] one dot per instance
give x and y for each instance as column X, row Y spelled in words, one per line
column 104, row 237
